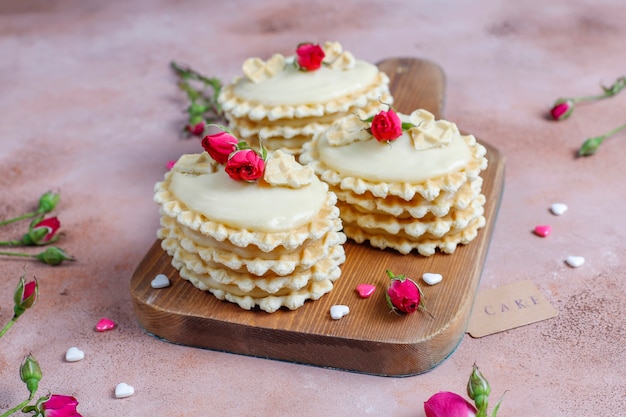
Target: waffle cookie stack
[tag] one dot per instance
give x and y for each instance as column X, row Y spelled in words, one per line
column 421, row 191
column 284, row 106
column 274, row 243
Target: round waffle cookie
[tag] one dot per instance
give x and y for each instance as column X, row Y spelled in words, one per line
column 421, row 191
column 282, row 106
column 271, row 244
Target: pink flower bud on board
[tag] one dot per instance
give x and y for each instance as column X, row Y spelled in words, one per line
column 448, row 404
column 309, row 56
column 220, row 146
column 403, row 294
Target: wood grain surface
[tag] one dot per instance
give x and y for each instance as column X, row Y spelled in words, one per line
column 370, row 339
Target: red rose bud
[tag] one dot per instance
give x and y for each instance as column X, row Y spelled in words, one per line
column 53, row 256
column 60, row 406
column 245, row 165
column 220, row 146
column 30, row 374
column 309, row 56
column 562, row 109
column 42, row 232
column 196, row 129
column 386, row 126
column 47, row 202
column 403, row 294
column 448, row 404
column 478, row 389
column 25, row 296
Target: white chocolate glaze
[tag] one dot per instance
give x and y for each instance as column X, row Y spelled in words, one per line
column 395, row 162
column 292, row 86
column 255, row 207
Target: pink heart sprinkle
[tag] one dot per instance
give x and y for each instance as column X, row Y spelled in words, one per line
column 105, row 324
column 365, row 290
column 543, row 230
column 170, row 165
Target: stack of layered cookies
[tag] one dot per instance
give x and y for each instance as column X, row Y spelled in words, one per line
column 278, row 241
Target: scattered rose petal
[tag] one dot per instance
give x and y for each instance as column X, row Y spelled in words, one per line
column 160, row 281
column 74, row 354
column 105, row 324
column 558, row 208
column 432, row 279
column 338, row 311
column 543, row 230
column 123, row 390
column 575, row 261
column 365, row 290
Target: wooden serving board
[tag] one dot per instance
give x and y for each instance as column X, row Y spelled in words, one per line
column 370, row 339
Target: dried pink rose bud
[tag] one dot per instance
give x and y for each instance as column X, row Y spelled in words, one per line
column 245, row 165
column 60, row 406
column 403, row 294
column 562, row 109
column 42, row 233
column 386, row 126
column 448, row 404
column 309, row 56
column 220, row 145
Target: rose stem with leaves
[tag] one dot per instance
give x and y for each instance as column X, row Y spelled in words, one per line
column 203, row 107
column 47, row 202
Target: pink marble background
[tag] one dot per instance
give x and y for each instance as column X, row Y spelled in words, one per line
column 89, row 106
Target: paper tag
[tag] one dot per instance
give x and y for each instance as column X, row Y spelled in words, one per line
column 509, row 306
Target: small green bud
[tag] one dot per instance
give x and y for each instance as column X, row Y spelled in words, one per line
column 30, row 373
column 48, row 201
column 590, row 146
column 478, row 389
column 53, row 256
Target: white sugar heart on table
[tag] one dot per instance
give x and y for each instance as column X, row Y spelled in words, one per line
column 160, row 281
column 575, row 261
column 558, row 208
column 74, row 354
column 338, row 311
column 123, row 390
column 431, row 278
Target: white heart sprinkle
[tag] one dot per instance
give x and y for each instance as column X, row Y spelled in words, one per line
column 160, row 281
column 558, row 208
column 432, row 279
column 74, row 354
column 575, row 261
column 123, row 390
column 338, row 311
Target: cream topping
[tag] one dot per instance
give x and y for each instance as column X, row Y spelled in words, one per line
column 398, row 161
column 292, row 86
column 255, row 207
